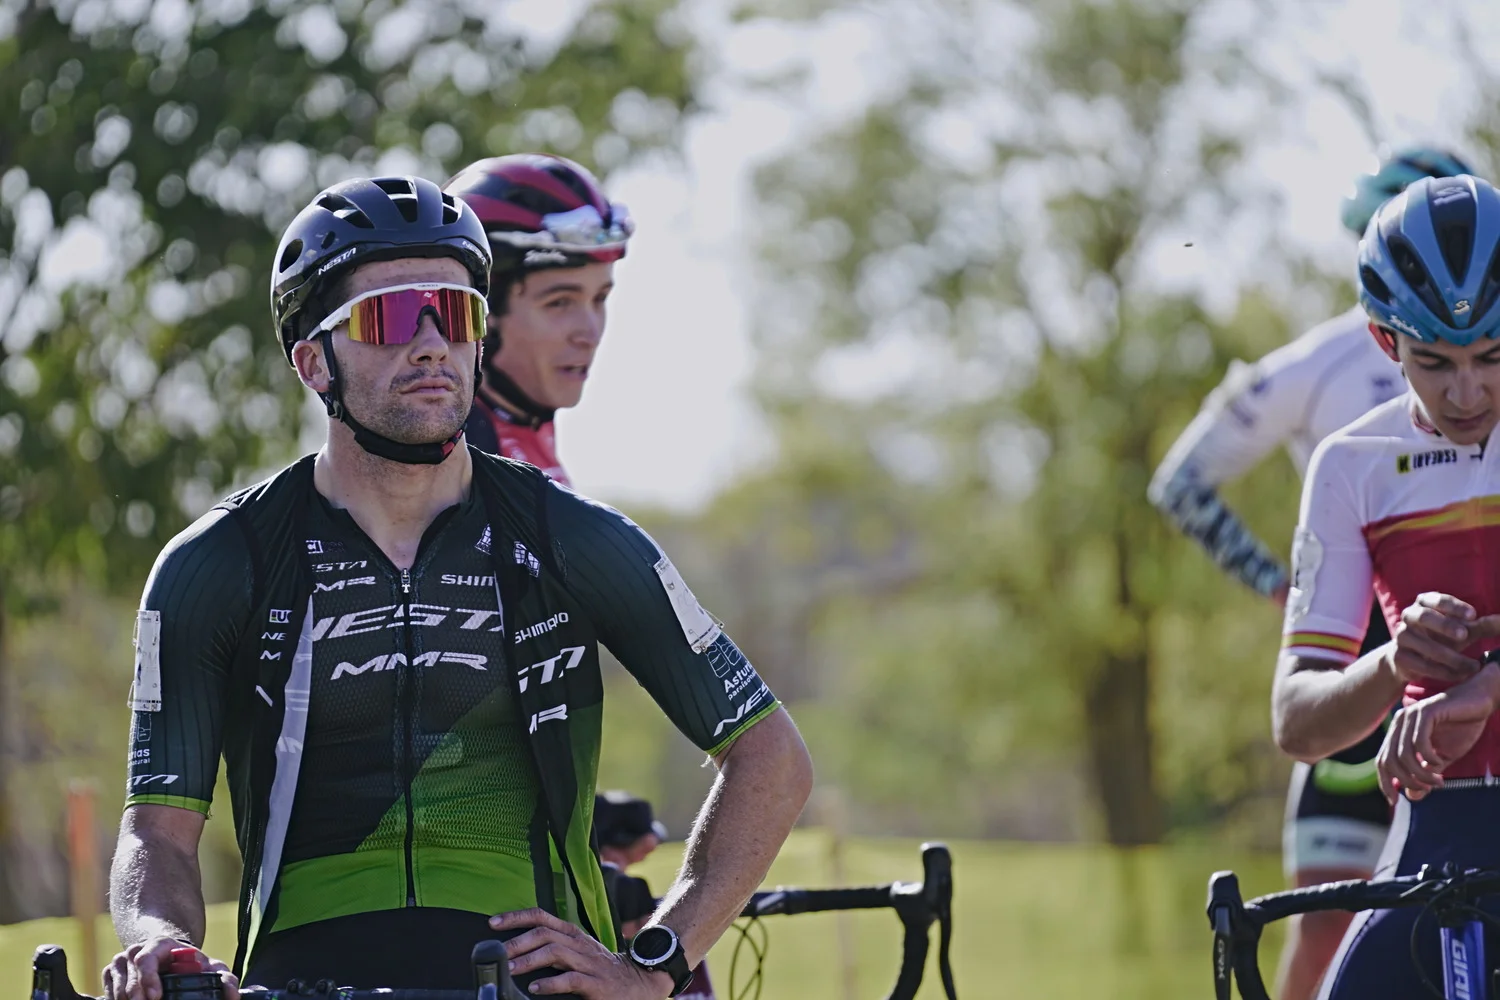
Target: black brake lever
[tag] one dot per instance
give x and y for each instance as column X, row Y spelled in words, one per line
column 1225, row 907
column 492, row 972
column 49, row 975
column 937, row 886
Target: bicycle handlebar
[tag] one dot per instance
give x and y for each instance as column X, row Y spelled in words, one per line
column 917, row 904
column 1237, row 924
column 50, row 981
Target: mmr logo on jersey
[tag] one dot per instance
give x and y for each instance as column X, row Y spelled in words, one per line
column 390, row 661
column 354, row 581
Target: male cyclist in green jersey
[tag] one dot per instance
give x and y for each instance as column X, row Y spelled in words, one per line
column 393, row 645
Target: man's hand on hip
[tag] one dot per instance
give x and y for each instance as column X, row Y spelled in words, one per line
column 135, row 973
column 591, row 970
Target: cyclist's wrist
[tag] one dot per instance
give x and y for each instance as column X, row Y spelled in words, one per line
column 1488, row 679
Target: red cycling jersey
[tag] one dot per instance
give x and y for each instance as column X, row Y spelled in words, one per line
column 1389, row 501
column 491, row 428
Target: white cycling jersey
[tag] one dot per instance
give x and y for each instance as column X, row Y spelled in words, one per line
column 1295, row 396
column 1390, row 502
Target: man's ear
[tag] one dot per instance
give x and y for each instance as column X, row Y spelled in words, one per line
column 307, row 357
column 1387, row 341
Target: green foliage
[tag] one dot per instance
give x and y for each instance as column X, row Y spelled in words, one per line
column 1045, row 622
column 172, row 144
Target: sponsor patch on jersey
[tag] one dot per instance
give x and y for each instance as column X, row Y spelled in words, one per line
column 698, row 626
column 1307, row 559
column 1426, row 459
column 145, row 690
column 525, row 558
column 483, row 545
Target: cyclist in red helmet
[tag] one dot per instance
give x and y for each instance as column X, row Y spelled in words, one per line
column 555, row 239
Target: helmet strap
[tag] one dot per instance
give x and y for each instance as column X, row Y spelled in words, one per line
column 505, row 387
column 376, row 444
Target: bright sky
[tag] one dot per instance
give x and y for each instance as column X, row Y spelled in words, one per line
column 666, row 418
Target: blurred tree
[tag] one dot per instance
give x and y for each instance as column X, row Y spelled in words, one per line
column 977, row 341
column 149, row 155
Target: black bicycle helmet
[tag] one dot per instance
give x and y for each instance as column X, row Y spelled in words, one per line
column 358, row 222
column 363, row 220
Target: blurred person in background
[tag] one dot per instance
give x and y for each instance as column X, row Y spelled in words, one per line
column 1404, row 500
column 628, row 831
column 555, row 238
column 1336, row 818
column 329, row 632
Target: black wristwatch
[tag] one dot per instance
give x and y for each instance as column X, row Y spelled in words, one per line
column 656, row 949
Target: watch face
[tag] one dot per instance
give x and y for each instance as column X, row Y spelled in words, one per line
column 653, row 944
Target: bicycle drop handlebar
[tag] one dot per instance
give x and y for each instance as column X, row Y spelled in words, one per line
column 1237, row 924
column 50, row 981
column 917, row 904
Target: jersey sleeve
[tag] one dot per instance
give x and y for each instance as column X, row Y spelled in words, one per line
column 650, row 620
column 187, row 630
column 1256, row 408
column 1328, row 606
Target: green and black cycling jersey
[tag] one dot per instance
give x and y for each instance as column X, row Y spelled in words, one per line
column 414, row 782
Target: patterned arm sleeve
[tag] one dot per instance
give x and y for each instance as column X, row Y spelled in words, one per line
column 1251, row 412
column 1328, row 607
column 650, row 620
column 195, row 603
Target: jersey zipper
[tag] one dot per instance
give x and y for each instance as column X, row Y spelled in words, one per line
column 408, row 700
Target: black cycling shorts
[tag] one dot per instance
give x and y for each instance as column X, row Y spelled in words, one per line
column 1336, row 816
column 420, row 947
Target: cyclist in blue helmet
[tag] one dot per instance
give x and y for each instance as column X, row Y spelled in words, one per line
column 1405, row 500
column 1336, row 818
column 1396, row 171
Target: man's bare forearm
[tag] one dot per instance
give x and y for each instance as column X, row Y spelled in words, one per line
column 1318, row 710
column 155, row 887
column 764, row 781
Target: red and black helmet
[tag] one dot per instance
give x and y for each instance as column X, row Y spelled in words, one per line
column 542, row 211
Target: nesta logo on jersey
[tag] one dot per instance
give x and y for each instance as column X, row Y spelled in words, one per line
column 1423, row 459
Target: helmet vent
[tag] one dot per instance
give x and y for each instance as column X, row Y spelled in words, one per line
column 329, row 239
column 574, row 183
column 289, row 255
column 451, row 213
column 1376, row 287
column 345, row 210
column 1410, row 267
column 403, row 194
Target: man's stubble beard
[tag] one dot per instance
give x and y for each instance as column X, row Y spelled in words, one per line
column 391, row 415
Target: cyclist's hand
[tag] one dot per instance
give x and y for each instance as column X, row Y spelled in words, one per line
column 1426, row 737
column 591, row 970
column 135, row 973
column 1431, row 634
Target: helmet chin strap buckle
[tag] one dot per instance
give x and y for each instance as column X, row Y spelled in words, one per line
column 377, row 444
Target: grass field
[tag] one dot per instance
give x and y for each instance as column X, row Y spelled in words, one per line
column 1029, row 921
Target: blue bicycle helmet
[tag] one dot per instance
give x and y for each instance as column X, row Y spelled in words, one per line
column 1391, row 177
column 1429, row 265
